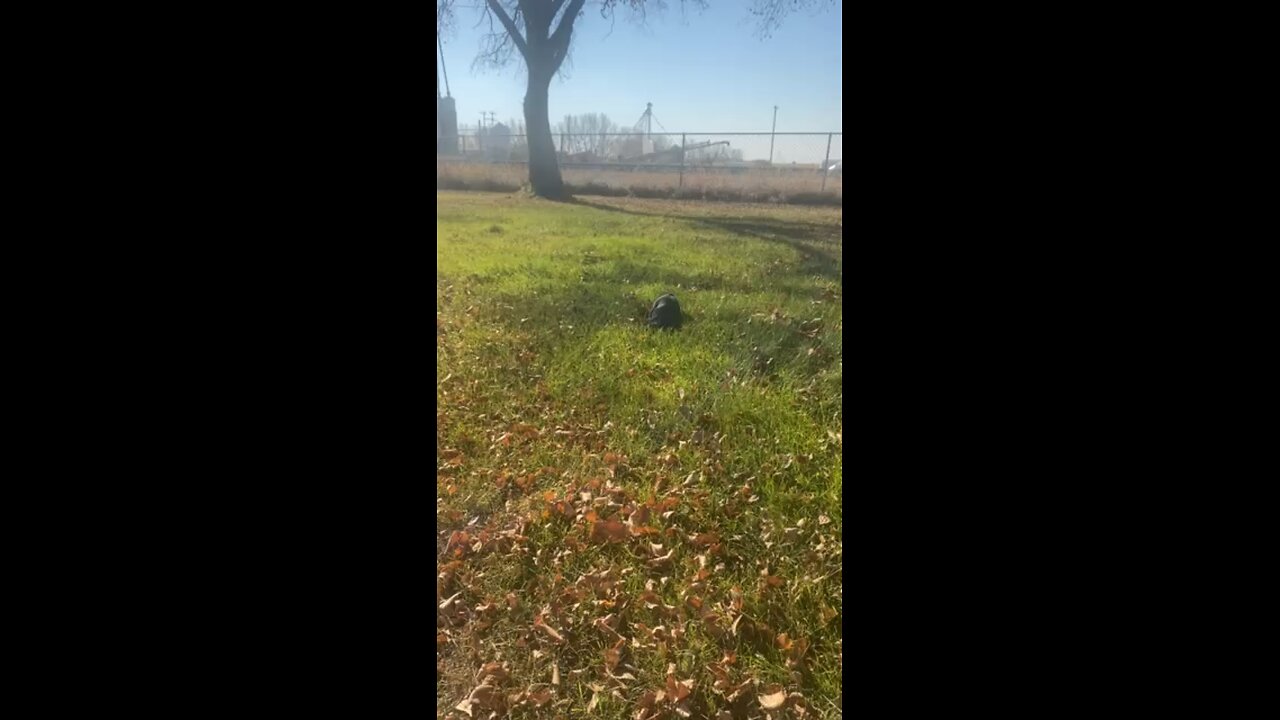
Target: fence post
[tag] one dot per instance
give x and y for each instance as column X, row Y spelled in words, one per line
column 682, row 144
column 826, row 161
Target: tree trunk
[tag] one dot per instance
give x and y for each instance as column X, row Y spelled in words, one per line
column 544, row 167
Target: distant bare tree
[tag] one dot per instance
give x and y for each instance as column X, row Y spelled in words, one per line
column 586, row 133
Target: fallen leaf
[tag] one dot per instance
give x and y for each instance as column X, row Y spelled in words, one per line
column 609, row 531
column 677, row 690
column 485, row 696
column 775, row 697
column 550, row 631
column 540, row 697
column 660, row 560
column 827, row 614
column 613, row 655
column 492, row 671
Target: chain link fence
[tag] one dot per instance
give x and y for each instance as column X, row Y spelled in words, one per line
column 745, row 166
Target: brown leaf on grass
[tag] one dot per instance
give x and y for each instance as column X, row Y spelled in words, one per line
column 485, row 696
column 774, row 697
column 796, row 652
column 555, row 673
column 640, row 515
column 541, row 696
column 492, row 673
column 540, row 623
column 735, row 598
column 783, row 642
column 661, row 559
column 613, row 655
column 648, row 700
column 740, row 690
column 608, row 622
column 678, row 690
column 609, row 531
column 723, row 682
column 706, row 539
column 827, row 613
column 513, row 602
column 525, row 429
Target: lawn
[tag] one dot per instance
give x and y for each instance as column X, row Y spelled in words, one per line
column 636, row 523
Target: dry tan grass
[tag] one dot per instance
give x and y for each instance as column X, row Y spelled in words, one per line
column 763, row 185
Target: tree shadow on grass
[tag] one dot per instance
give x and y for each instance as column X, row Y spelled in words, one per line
column 820, row 245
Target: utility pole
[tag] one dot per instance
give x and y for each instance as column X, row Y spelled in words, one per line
column 771, row 133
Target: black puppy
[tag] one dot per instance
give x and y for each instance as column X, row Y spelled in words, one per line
column 665, row 312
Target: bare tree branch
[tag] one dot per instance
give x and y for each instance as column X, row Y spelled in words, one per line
column 510, row 25
column 497, row 49
column 560, row 38
column 446, row 19
column 771, row 13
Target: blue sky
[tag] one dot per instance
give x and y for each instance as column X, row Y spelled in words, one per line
column 703, row 71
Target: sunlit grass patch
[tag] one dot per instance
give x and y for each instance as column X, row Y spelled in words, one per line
column 636, row 521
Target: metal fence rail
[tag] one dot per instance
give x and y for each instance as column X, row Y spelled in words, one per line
column 753, row 163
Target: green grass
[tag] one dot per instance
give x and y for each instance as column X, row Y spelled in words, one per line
column 720, row 442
